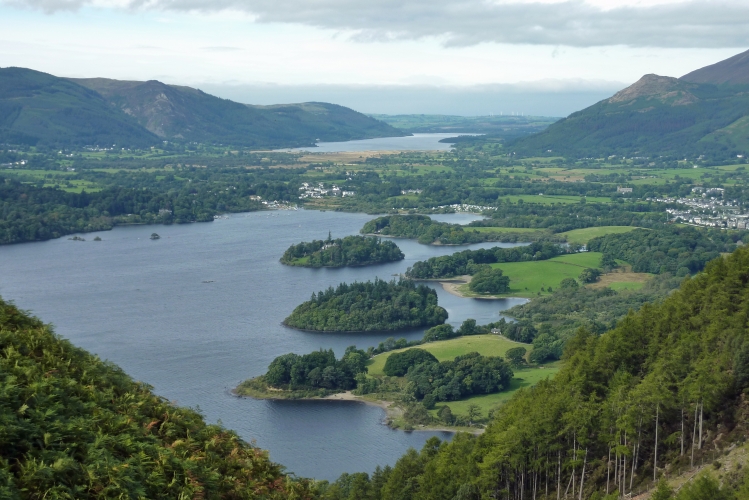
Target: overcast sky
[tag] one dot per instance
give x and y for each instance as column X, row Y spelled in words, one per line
column 412, row 56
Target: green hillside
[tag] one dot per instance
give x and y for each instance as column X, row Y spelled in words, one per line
column 655, row 116
column 41, row 109
column 75, row 427
column 661, row 392
column 187, row 114
column 38, row 108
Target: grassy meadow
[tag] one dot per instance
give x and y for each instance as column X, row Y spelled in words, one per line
column 582, row 236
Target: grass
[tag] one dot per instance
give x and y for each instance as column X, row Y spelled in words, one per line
column 447, row 350
column 526, row 377
column 582, row 236
column 527, row 278
column 631, row 285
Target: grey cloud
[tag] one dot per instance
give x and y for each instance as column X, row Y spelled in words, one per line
column 695, row 23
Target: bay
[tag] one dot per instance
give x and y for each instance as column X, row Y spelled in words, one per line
column 200, row 309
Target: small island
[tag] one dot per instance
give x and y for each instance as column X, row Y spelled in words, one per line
column 369, row 307
column 342, row 252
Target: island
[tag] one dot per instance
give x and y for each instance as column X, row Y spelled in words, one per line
column 421, row 383
column 369, row 307
column 342, row 252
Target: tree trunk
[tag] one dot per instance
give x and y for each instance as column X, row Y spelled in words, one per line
column 682, row 432
column 655, row 456
column 574, row 459
column 694, row 435
column 701, row 412
column 559, row 475
column 608, row 471
column 582, row 475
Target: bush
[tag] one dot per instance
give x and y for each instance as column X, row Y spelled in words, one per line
column 489, row 281
column 590, row 275
column 398, row 363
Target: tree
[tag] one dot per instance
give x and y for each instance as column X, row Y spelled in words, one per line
column 516, row 356
column 473, row 413
column 446, row 415
column 568, row 284
column 608, row 262
column 589, row 275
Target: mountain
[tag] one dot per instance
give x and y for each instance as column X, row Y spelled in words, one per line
column 732, row 71
column 659, row 115
column 38, row 108
column 188, row 114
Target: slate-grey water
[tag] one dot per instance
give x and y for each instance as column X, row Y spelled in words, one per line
column 144, row 305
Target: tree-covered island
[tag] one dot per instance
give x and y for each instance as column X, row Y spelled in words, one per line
column 369, row 307
column 342, row 252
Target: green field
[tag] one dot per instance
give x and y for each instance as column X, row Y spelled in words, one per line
column 582, row 236
column 527, row 377
column 527, row 278
column 447, row 350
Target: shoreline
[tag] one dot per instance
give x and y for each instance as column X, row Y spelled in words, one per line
column 451, row 286
column 392, row 412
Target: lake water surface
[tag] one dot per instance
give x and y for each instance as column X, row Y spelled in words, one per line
column 146, row 306
column 415, row 142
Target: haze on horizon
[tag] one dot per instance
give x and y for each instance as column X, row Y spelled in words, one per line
column 473, row 57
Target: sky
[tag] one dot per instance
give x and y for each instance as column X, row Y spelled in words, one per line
column 469, row 57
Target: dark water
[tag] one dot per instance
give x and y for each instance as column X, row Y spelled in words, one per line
column 143, row 305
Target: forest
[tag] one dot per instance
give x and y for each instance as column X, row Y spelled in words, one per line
column 679, row 250
column 342, row 252
column 663, row 389
column 371, row 306
column 472, row 261
column 75, row 427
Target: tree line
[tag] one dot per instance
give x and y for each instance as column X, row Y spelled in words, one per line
column 472, row 261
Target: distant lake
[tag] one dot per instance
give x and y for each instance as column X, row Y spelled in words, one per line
column 416, row 142
column 199, row 310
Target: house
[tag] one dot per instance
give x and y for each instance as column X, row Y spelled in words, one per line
column 620, row 189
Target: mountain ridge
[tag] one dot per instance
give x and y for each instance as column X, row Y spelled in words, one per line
column 731, row 71
column 706, row 113
column 39, row 108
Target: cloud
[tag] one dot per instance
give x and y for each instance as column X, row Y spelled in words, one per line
column 576, row 23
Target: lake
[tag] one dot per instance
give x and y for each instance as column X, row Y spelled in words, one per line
column 415, row 142
column 199, row 310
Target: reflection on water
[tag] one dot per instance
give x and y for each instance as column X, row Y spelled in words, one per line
column 199, row 310
column 415, row 142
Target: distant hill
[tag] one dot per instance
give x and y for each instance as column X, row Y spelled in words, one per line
column 38, row 108
column 184, row 113
column 732, row 71
column 658, row 115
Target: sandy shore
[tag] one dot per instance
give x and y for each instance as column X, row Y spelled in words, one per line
column 452, row 287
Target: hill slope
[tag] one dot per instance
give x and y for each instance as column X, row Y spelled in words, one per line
column 667, row 387
column 75, row 427
column 187, row 114
column 37, row 107
column 659, row 115
column 732, row 71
